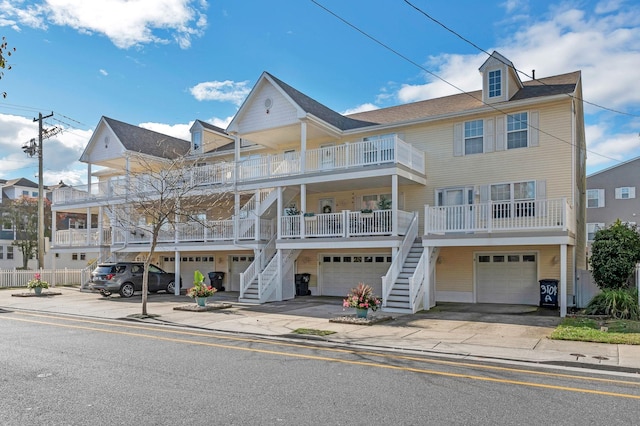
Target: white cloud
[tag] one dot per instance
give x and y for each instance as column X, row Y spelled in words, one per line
column 224, row 91
column 60, row 152
column 103, row 72
column 360, row 108
column 180, row 131
column 126, row 23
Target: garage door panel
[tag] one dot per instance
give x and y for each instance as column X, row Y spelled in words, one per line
column 507, row 278
column 340, row 273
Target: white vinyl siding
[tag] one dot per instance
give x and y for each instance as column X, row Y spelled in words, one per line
column 625, row 192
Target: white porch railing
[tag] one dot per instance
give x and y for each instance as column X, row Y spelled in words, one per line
column 498, row 216
column 391, row 150
column 344, row 224
column 20, row 278
column 81, row 238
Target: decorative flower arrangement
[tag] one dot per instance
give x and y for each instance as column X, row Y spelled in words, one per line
column 37, row 282
column 200, row 289
column 362, row 297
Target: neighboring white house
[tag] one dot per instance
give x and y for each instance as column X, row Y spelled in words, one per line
column 473, row 197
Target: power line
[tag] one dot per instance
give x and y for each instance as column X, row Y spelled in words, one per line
column 375, row 40
column 511, row 65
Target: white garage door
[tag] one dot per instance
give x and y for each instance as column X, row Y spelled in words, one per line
column 507, row 278
column 237, row 264
column 340, row 272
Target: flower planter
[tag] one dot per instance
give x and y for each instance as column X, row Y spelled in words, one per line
column 201, row 301
column 361, row 312
column 38, row 290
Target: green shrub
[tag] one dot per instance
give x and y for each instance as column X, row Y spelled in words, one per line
column 614, row 254
column 617, row 303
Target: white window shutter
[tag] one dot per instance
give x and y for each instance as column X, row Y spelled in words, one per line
column 632, row 192
column 534, row 125
column 358, row 202
column 541, row 189
column 618, row 193
column 500, row 137
column 600, row 197
column 484, row 193
column 489, row 135
column 457, row 140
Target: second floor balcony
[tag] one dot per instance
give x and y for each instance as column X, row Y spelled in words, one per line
column 337, row 158
column 530, row 215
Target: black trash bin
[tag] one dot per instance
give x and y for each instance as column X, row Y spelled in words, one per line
column 216, row 280
column 549, row 293
column 302, row 284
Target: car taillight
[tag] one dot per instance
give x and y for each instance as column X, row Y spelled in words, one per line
column 109, row 276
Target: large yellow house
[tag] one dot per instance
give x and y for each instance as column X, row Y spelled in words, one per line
column 474, row 197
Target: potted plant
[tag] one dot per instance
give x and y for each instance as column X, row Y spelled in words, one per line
column 200, row 291
column 292, row 210
column 37, row 284
column 363, row 299
column 384, row 204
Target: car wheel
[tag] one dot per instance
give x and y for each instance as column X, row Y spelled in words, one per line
column 127, row 290
column 171, row 287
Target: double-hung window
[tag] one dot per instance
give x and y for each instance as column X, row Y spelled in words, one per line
column 625, row 192
column 473, row 137
column 595, row 198
column 592, row 228
column 515, row 199
column 517, row 125
column 495, row 84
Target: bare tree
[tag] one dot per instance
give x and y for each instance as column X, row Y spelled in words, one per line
column 5, row 52
column 163, row 197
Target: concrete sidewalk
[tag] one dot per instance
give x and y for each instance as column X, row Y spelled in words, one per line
column 511, row 334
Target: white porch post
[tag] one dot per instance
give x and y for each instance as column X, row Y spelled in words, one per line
column 303, row 208
column 88, row 227
column 100, row 227
column 394, row 205
column 279, row 213
column 303, row 147
column 563, row 280
column 257, row 216
column 427, row 278
column 89, row 178
column 54, row 229
column 177, row 285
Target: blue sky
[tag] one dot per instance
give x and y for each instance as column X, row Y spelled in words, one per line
column 161, row 64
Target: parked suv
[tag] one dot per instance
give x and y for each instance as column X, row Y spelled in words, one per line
column 126, row 278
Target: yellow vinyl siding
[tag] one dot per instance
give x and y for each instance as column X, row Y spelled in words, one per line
column 454, row 269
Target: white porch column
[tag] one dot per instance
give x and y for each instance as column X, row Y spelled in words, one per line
column 427, row 279
column 563, row 280
column 177, row 285
column 100, row 227
column 88, row 226
column 394, row 205
column 236, row 215
column 303, row 147
column 89, row 178
column 303, row 208
column 54, row 230
column 279, row 213
column 257, row 216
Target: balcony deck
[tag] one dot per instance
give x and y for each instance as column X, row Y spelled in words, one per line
column 533, row 215
column 391, row 150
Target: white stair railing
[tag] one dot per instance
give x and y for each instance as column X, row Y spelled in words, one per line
column 398, row 260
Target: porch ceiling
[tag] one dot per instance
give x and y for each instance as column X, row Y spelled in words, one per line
column 274, row 138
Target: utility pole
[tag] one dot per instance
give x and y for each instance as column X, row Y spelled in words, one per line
column 32, row 148
column 40, row 194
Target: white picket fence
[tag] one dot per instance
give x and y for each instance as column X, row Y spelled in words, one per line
column 20, row 278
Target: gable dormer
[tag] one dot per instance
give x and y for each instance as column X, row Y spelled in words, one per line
column 206, row 137
column 500, row 81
